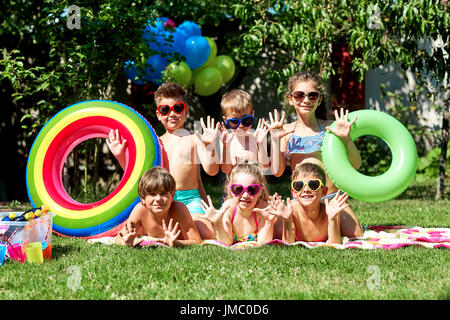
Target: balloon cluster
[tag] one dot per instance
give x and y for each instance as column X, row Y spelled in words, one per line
column 202, row 67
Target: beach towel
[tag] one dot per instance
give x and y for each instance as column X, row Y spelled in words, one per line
column 374, row 237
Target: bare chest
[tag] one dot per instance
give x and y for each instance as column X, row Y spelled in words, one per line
column 308, row 230
column 179, row 149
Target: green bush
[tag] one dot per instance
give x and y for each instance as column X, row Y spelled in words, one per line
column 428, row 166
column 376, row 157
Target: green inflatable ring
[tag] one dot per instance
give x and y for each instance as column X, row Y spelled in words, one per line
column 372, row 188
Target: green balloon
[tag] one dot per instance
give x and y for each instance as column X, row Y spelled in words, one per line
column 181, row 72
column 208, row 81
column 212, row 53
column 226, row 66
column 195, row 72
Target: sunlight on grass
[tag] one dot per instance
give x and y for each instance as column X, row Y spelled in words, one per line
column 79, row 270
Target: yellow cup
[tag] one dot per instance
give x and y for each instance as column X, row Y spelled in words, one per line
column 33, row 252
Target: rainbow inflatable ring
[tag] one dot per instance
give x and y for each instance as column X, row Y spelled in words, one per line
column 61, row 134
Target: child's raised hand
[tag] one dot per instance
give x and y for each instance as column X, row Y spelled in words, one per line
column 211, row 213
column 130, row 238
column 282, row 210
column 275, row 126
column 334, row 207
column 114, row 144
column 170, row 234
column 261, row 131
column 225, row 136
column 210, row 131
column 268, row 212
column 343, row 127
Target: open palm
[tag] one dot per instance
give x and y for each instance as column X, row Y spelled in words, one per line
column 170, row 233
column 334, row 207
column 343, row 126
column 211, row 213
column 210, row 131
column 283, row 209
column 115, row 146
column 275, row 124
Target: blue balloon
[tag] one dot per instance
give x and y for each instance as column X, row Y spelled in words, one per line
column 155, row 66
column 191, row 28
column 156, row 37
column 196, row 51
column 133, row 73
column 179, row 40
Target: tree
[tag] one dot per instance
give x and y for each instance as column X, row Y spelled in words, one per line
column 56, row 55
column 57, row 66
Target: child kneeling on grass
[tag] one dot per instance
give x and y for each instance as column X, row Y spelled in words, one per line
column 240, row 218
column 308, row 218
column 158, row 216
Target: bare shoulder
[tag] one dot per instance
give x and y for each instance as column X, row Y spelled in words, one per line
column 228, row 214
column 295, row 208
column 138, row 213
column 179, row 211
column 289, row 126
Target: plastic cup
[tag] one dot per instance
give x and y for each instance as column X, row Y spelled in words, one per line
column 2, row 253
column 33, row 252
column 15, row 252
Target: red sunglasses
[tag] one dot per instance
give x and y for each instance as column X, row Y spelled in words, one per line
column 177, row 107
column 238, row 189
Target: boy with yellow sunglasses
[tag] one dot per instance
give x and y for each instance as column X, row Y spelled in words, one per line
column 309, row 218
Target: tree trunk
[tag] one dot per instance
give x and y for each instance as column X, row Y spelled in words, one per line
column 443, row 161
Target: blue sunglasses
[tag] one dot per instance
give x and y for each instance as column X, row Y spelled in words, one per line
column 234, row 123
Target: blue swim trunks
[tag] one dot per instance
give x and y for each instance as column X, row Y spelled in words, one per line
column 191, row 199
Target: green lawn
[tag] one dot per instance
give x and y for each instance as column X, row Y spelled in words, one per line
column 79, row 270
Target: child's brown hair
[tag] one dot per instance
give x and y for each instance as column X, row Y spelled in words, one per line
column 156, row 179
column 251, row 169
column 236, row 101
column 169, row 90
column 307, row 168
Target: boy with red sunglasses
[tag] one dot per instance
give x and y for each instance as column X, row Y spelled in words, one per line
column 309, row 218
column 185, row 151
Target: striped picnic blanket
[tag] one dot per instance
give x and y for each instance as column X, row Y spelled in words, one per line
column 374, row 237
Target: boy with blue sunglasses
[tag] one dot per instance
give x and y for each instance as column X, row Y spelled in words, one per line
column 240, row 144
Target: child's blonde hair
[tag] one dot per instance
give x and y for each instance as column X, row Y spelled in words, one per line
column 251, row 169
column 303, row 76
column 308, row 168
column 156, row 179
column 236, row 101
column 169, row 90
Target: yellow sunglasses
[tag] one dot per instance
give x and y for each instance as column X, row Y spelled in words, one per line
column 313, row 184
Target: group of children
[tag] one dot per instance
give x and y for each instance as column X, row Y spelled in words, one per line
column 175, row 208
